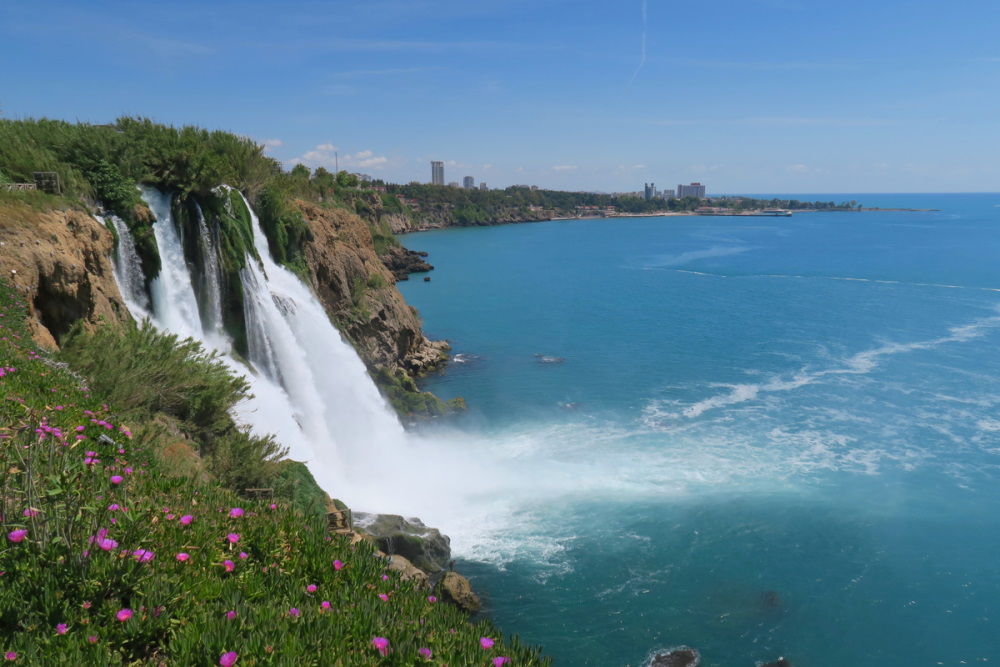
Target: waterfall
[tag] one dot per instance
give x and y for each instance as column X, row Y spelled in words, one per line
column 175, row 305
column 212, row 282
column 128, row 268
column 310, row 389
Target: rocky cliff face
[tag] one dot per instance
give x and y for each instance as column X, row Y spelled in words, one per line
column 61, row 261
column 360, row 293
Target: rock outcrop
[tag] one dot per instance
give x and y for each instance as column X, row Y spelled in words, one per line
column 677, row 657
column 425, row 547
column 359, row 292
column 60, row 261
column 455, row 589
column 402, row 262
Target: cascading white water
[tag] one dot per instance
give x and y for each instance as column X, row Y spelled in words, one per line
column 175, row 305
column 210, row 263
column 128, row 268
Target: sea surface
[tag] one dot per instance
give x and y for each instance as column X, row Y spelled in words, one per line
column 758, row 437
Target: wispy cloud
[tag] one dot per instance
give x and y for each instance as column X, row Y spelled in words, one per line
column 272, row 143
column 326, row 155
column 777, row 121
column 766, row 66
column 643, row 60
column 564, row 167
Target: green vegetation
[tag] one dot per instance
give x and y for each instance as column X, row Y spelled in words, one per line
column 463, row 207
column 112, row 557
column 407, row 399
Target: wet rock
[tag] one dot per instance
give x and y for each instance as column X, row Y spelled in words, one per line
column 455, row 589
column 425, row 547
column 780, row 662
column 678, row 657
column 408, row 571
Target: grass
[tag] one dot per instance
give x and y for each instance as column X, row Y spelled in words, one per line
column 111, row 557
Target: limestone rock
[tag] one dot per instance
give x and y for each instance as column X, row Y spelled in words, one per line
column 681, row 656
column 455, row 588
column 425, row 547
column 408, row 571
column 60, row 261
column 359, row 292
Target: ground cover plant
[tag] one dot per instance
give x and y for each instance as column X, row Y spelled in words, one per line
column 106, row 559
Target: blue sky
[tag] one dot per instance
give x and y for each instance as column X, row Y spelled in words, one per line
column 746, row 96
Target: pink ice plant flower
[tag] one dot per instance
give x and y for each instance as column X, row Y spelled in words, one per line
column 182, row 556
column 293, row 612
column 233, row 538
column 10, row 656
column 230, row 615
column 143, row 556
column 382, row 644
column 337, row 565
column 325, row 604
column 61, row 629
column 311, row 588
column 117, row 479
column 186, row 520
column 499, row 661
column 229, row 565
column 228, row 659
column 486, row 642
column 17, row 535
column 235, row 513
column 92, row 639
column 425, row 653
column 384, row 597
column 123, row 615
column 431, row 599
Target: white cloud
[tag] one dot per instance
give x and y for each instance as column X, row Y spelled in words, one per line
column 272, row 143
column 326, row 155
column 564, row 167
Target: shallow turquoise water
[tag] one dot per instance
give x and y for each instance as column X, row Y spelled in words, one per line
column 764, row 437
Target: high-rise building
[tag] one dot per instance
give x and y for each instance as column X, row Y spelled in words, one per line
column 469, row 182
column 482, row 186
column 650, row 190
column 693, row 190
column 437, row 173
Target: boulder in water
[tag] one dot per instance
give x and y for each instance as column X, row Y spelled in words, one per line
column 455, row 588
column 425, row 547
column 681, row 656
column 780, row 662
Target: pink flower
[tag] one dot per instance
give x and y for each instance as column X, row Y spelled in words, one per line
column 243, row 554
column 425, row 653
column 273, row 506
column 30, row 512
column 382, row 644
column 182, row 556
column 235, row 513
column 337, row 565
column 228, row 659
column 114, row 507
column 17, row 535
column 384, row 597
column 142, row 555
column 500, row 660
column 325, row 604
column 230, row 615
column 186, row 520
column 233, row 538
column 123, row 615
column 92, row 639
column 486, row 642
column 293, row 612
column 229, row 565
column 106, row 543
column 384, row 577
column 61, row 629
column 117, row 479
column 10, row 655
column 311, row 588
column 431, row 598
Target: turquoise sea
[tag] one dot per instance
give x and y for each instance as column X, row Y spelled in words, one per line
column 757, row 437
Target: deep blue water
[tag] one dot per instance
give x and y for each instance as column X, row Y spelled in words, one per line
column 765, row 437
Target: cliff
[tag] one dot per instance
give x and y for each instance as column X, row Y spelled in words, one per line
column 360, row 293
column 60, row 261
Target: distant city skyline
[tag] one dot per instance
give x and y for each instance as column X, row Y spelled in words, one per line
column 768, row 96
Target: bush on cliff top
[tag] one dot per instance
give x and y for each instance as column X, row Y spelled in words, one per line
column 108, row 560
